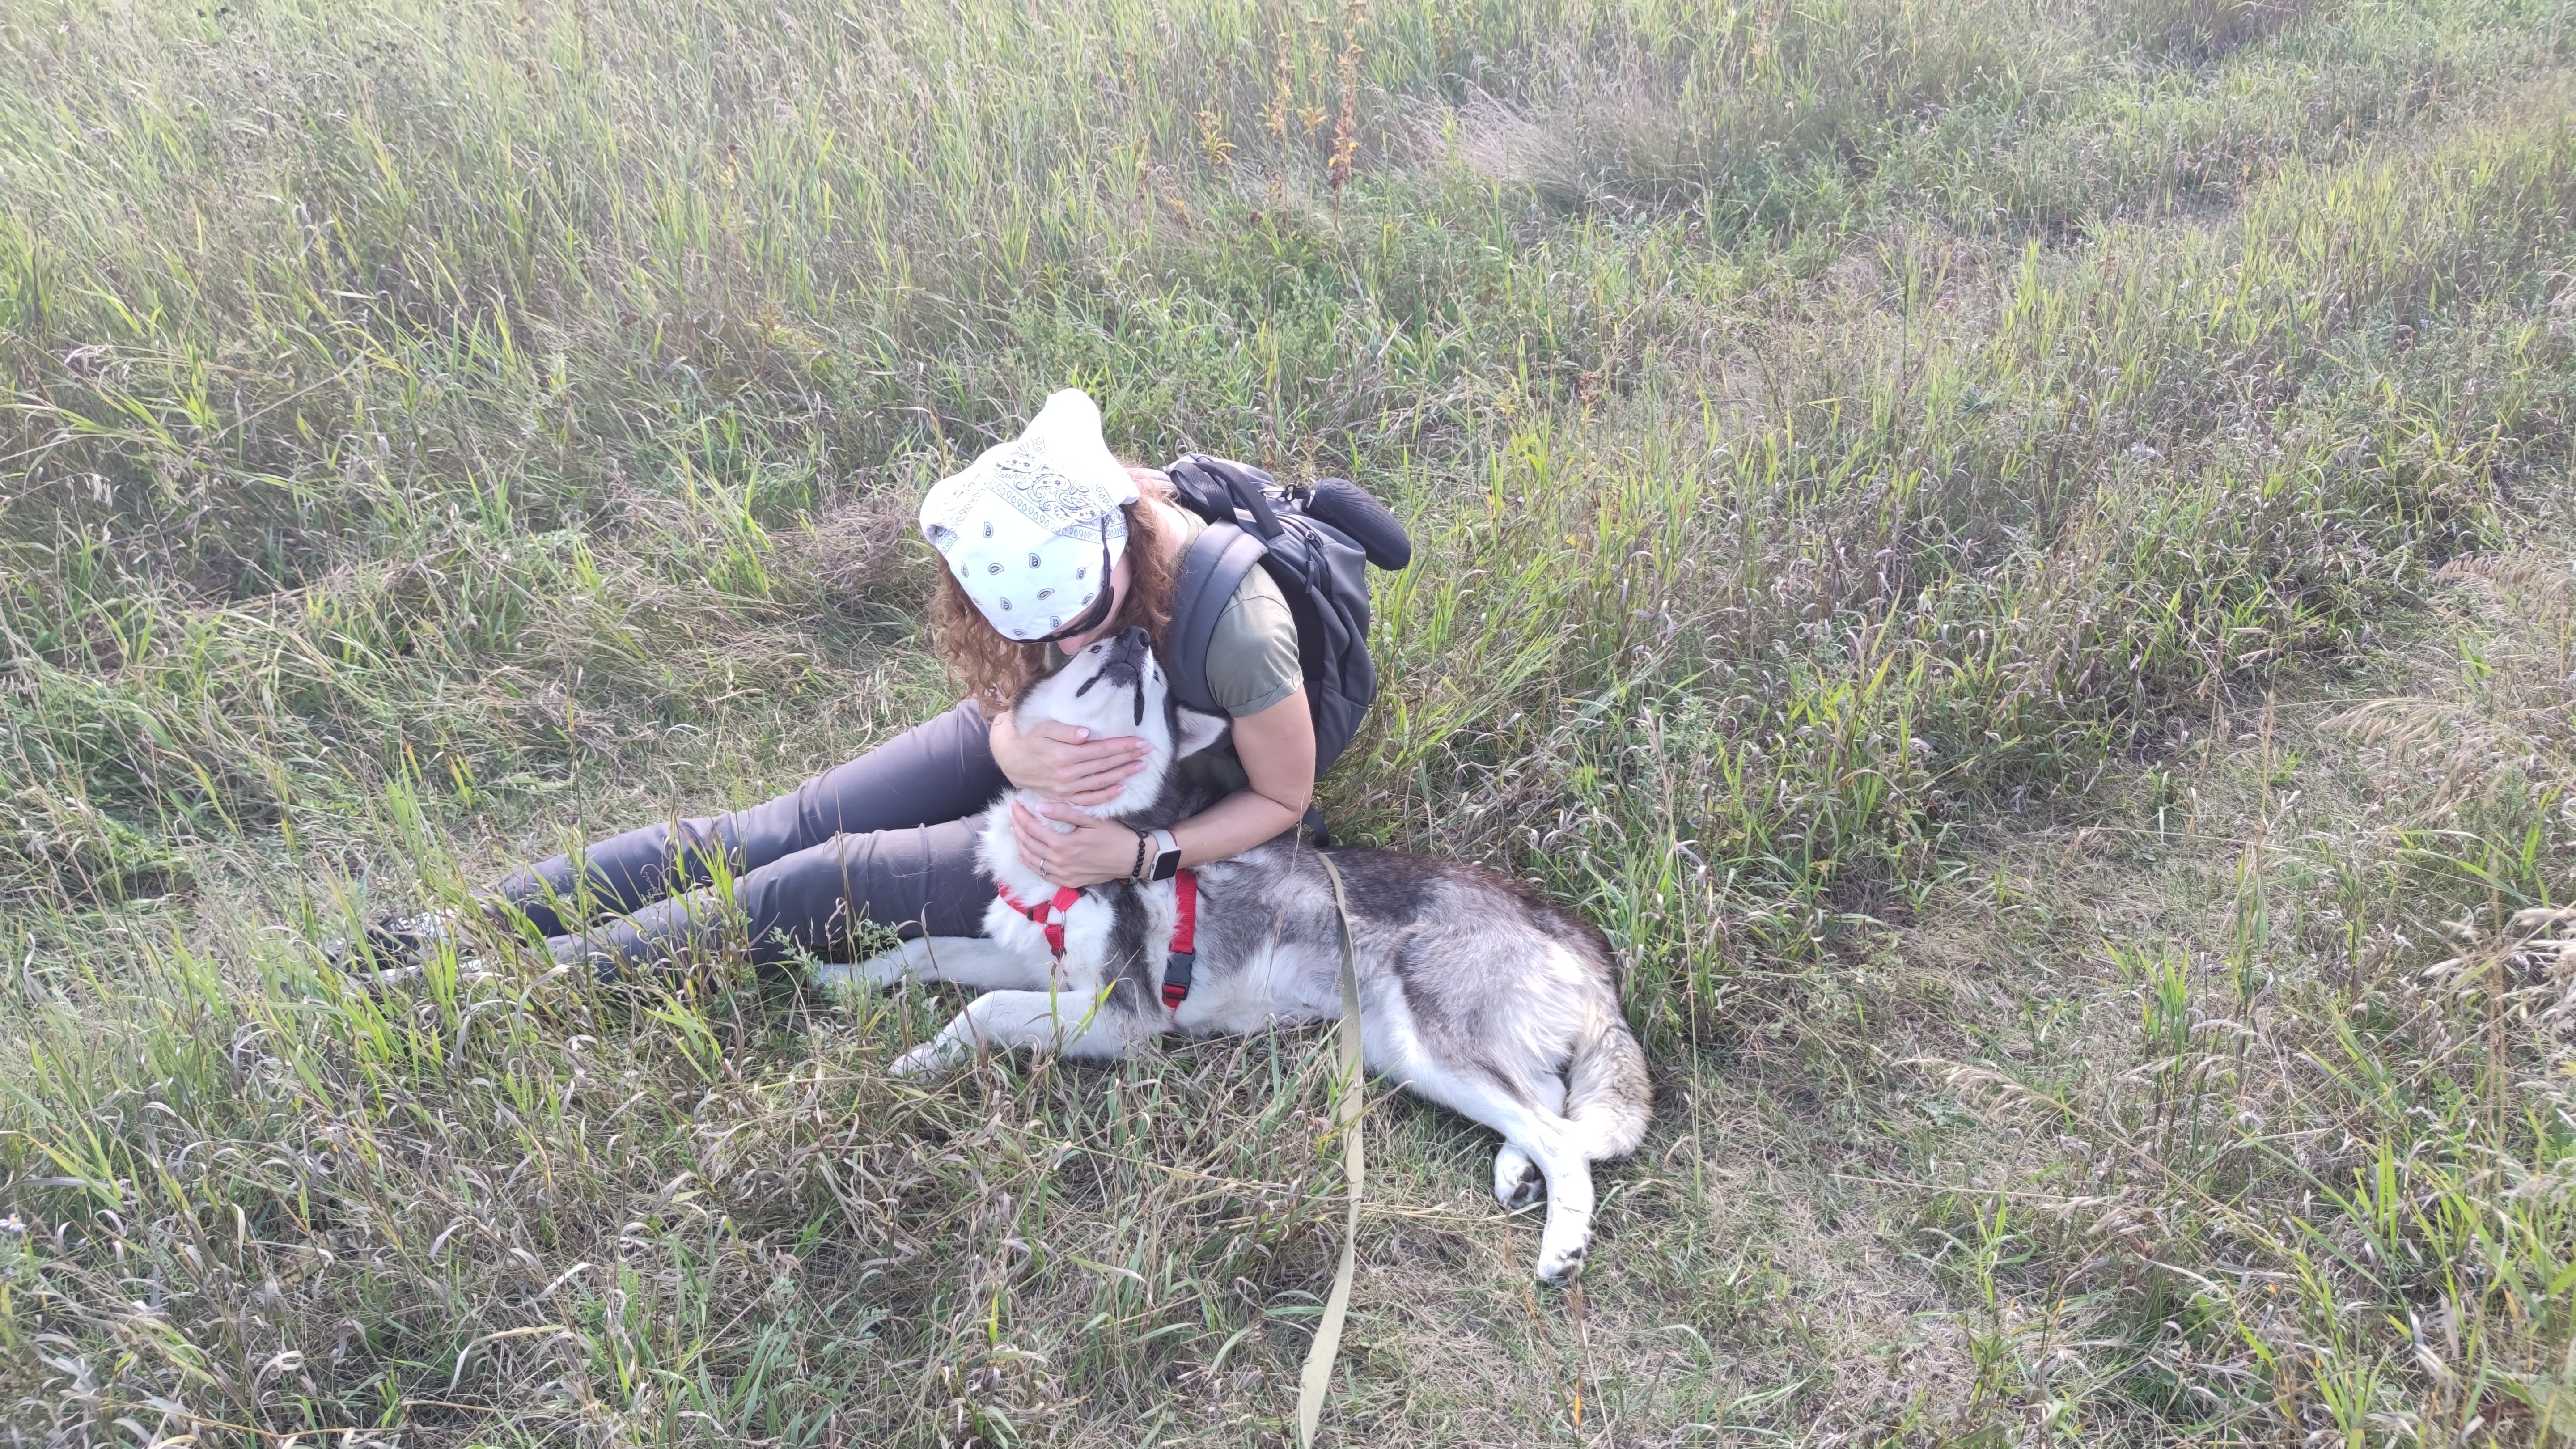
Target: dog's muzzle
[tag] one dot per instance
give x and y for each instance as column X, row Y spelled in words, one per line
column 1125, row 667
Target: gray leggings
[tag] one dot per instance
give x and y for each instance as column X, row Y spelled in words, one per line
column 888, row 837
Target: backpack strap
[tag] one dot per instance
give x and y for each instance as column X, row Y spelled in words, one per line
column 1313, row 820
column 1221, row 490
column 1211, row 570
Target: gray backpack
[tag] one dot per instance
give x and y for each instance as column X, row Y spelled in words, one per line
column 1315, row 542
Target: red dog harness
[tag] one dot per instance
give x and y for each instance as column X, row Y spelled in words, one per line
column 1048, row 918
column 1177, row 963
column 1185, row 940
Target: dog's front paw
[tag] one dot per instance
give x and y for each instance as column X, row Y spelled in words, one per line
column 855, row 978
column 1558, row 1267
column 889, row 967
column 932, row 1058
column 838, row 978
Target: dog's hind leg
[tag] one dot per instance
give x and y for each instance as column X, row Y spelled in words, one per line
column 1517, row 1180
column 1549, row 1143
column 976, row 961
column 1540, row 1138
column 1069, row 1025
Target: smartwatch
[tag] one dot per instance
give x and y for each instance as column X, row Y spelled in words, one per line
column 1167, row 857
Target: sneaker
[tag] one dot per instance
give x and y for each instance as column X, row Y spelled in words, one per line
column 393, row 943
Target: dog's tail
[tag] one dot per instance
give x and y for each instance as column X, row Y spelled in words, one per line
column 1608, row 1096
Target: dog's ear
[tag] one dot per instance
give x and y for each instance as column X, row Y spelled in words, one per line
column 1193, row 731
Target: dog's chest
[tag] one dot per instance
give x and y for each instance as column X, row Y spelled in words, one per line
column 1105, row 934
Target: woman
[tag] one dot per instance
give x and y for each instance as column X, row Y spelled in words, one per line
column 1027, row 531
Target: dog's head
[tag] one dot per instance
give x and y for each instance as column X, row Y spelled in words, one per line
column 1115, row 686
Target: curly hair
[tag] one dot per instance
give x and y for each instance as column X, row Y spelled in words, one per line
column 993, row 669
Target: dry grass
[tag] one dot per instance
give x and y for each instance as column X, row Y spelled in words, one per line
column 2004, row 553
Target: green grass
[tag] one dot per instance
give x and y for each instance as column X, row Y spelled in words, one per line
column 2013, row 556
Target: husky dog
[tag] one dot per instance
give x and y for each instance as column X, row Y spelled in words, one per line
column 1473, row 993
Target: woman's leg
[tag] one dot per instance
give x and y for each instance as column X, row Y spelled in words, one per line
column 922, row 879
column 941, row 770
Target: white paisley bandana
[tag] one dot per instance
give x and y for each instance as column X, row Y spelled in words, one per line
column 1025, row 526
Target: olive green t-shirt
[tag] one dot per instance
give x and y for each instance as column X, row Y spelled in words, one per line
column 1251, row 661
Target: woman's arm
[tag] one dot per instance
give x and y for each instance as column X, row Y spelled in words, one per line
column 1277, row 747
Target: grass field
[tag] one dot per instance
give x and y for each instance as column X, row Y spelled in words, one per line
column 2015, row 557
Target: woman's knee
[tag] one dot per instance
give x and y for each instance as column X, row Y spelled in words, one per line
column 923, row 877
column 937, row 770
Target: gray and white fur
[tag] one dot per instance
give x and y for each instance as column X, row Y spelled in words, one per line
column 1473, row 992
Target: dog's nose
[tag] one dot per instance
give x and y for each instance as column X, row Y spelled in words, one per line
column 1130, row 647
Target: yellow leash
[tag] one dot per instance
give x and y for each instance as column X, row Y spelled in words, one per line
column 1318, row 1373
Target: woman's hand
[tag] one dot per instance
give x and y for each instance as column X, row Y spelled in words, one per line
column 1092, row 852
column 1063, row 762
